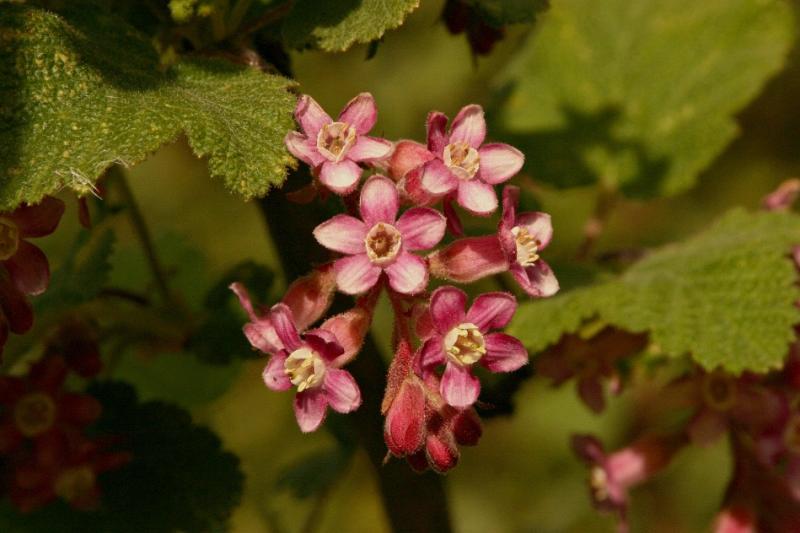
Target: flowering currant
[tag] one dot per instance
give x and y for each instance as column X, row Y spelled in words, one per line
column 381, row 242
column 334, row 149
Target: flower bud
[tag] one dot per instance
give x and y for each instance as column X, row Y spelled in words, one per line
column 404, row 429
column 467, row 428
column 310, row 296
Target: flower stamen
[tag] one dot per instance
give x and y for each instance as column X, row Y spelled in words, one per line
column 383, row 243
column 335, row 139
column 464, row 344
column 462, row 160
column 527, row 246
column 34, row 414
column 305, row 368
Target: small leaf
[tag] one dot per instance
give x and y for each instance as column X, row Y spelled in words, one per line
column 336, row 26
column 639, row 95
column 726, row 297
column 83, row 92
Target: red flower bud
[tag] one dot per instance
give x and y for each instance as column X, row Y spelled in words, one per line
column 404, row 430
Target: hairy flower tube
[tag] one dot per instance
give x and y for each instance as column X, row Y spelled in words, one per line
column 334, row 148
column 381, row 242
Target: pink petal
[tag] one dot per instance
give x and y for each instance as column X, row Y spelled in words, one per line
column 538, row 280
column 492, row 310
column 310, row 296
column 407, row 156
column 29, row 269
column 499, row 162
column 370, row 149
column 40, row 219
column 510, row 202
column 408, row 274
column 538, row 225
column 324, row 343
column 447, row 308
column 421, row 228
column 281, row 317
column 310, row 116
column 303, row 149
column 432, row 353
column 379, row 201
column 477, row 197
column 310, row 407
column 459, row 387
column 504, row 353
column 274, row 374
column 360, row 112
column 355, row 274
column 454, row 225
column 16, row 308
column 342, row 177
column 342, row 391
column 469, row 126
column 437, row 179
column 262, row 335
column 437, row 136
column 244, row 299
column 342, row 233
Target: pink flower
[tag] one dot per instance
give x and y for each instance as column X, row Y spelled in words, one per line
column 380, row 243
column 460, row 340
column 311, row 363
column 334, row 149
column 522, row 237
column 27, row 264
column 16, row 313
column 613, row 475
column 464, row 166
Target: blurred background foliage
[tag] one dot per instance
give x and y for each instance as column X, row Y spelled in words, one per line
column 522, row 477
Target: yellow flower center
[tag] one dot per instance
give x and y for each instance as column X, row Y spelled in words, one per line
column 335, row 139
column 527, row 246
column 9, row 238
column 34, row 414
column 719, row 391
column 382, row 243
column 74, row 483
column 464, row 344
column 462, row 160
column 305, row 368
column 598, row 481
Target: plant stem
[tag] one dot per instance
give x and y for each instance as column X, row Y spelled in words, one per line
column 142, row 232
column 413, row 502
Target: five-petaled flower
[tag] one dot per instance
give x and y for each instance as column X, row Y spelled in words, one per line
column 464, row 166
column 461, row 339
column 522, row 237
column 334, row 149
column 311, row 364
column 381, row 242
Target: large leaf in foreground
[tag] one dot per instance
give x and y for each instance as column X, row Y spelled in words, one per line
column 726, row 296
column 82, row 92
column 639, row 95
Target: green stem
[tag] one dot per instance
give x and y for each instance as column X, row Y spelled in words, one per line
column 142, row 232
column 604, row 205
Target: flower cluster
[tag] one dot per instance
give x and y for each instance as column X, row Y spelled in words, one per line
column 379, row 243
column 24, row 270
column 47, row 447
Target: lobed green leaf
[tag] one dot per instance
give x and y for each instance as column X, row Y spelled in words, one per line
column 639, row 95
column 726, row 297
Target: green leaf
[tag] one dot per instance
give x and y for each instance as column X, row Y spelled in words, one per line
column 82, row 92
column 727, row 297
column 503, row 12
column 315, row 472
column 639, row 95
column 336, row 26
column 179, row 478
